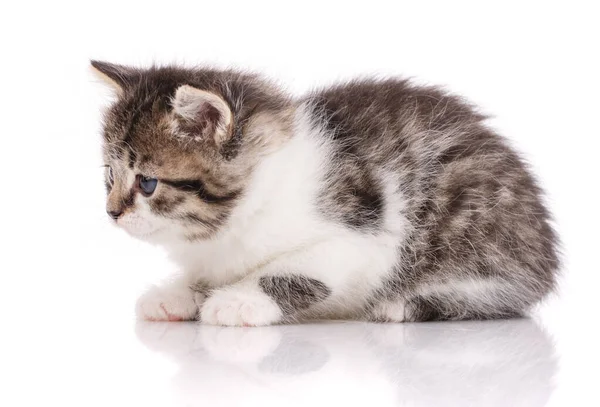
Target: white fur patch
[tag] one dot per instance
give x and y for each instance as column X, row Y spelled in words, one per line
column 483, row 290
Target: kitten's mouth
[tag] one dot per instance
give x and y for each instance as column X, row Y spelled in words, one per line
column 140, row 233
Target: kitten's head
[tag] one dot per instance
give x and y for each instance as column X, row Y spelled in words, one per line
column 180, row 146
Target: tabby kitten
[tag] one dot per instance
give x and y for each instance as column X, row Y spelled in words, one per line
column 375, row 200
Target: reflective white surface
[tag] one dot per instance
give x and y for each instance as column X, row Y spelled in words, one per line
column 118, row 361
column 495, row 363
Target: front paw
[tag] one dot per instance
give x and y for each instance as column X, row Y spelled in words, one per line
column 239, row 307
column 167, row 304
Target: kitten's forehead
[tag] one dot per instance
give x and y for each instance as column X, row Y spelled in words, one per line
column 144, row 143
column 131, row 112
column 136, row 128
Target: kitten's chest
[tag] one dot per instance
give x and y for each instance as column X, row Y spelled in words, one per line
column 234, row 256
column 216, row 264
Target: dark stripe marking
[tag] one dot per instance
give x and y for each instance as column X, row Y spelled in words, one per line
column 294, row 292
column 129, row 200
column 192, row 217
column 165, row 204
column 197, row 188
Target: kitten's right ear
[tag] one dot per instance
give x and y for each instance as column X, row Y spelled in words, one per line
column 119, row 77
column 202, row 114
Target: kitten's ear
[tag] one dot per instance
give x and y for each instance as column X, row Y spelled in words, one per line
column 202, row 114
column 119, row 77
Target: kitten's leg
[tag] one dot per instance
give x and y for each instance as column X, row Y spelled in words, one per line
column 461, row 299
column 265, row 298
column 287, row 288
column 476, row 298
column 403, row 310
column 332, row 278
column 177, row 300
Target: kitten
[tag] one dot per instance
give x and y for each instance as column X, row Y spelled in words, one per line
column 373, row 200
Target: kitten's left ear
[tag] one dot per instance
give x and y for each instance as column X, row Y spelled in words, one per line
column 119, row 77
column 202, row 114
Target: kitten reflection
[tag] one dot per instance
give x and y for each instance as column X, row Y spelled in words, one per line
column 461, row 363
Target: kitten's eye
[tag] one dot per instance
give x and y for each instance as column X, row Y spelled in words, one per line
column 147, row 185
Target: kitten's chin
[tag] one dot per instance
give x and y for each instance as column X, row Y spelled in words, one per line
column 164, row 236
column 158, row 235
column 142, row 235
column 146, row 233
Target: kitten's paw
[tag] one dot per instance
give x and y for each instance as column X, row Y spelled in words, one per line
column 239, row 307
column 391, row 311
column 167, row 304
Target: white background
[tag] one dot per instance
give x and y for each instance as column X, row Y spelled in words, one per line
column 69, row 280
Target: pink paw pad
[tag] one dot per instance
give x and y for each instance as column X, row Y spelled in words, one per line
column 170, row 317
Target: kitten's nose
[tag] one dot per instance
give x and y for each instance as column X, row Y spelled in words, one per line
column 114, row 214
